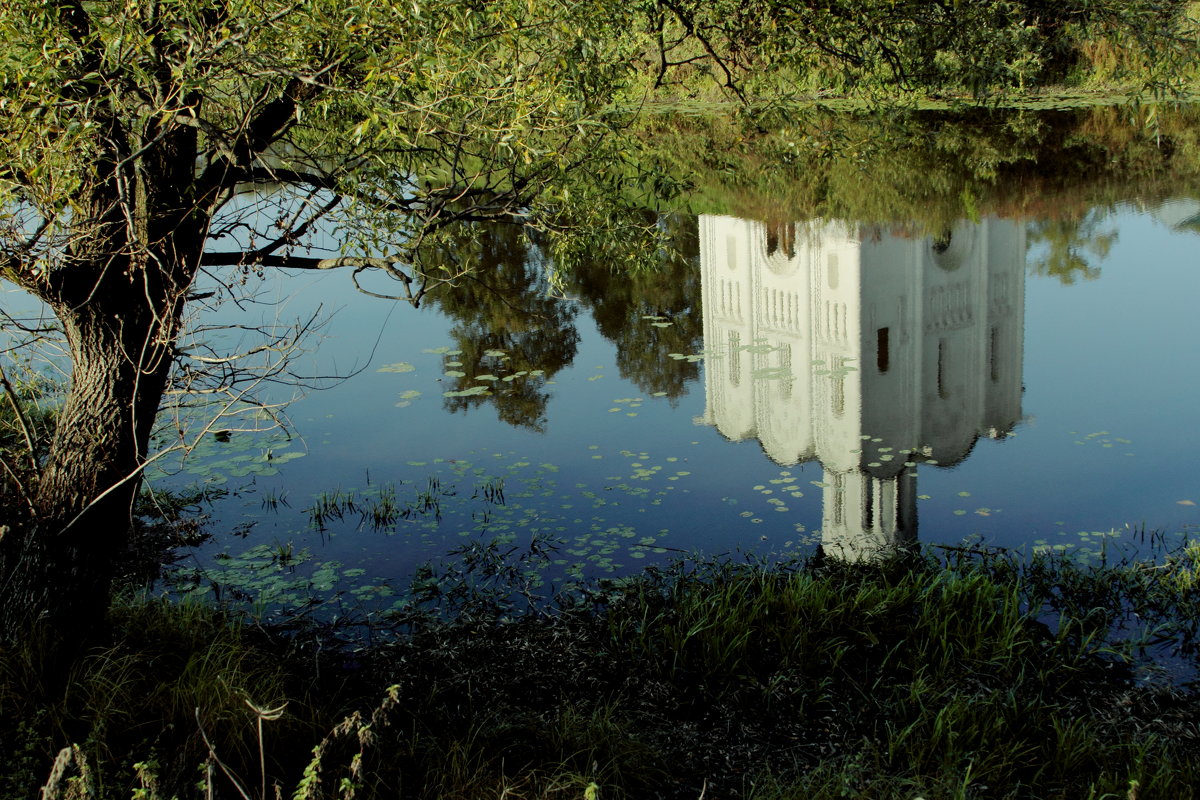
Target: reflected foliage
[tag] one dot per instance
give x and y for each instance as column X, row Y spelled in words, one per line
column 932, row 167
column 1191, row 224
column 1069, row 247
column 508, row 326
column 651, row 313
column 917, row 173
column 515, row 328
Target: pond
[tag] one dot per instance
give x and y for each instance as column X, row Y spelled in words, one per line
column 785, row 384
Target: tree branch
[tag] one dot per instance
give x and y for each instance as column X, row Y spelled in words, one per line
column 290, row 236
column 237, row 258
column 245, row 258
column 264, row 129
column 263, row 174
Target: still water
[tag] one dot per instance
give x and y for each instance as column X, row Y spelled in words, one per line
column 787, row 385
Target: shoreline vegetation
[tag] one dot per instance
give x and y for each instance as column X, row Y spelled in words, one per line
column 941, row 674
column 1047, row 98
column 960, row 673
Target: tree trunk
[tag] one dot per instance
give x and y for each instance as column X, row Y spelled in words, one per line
column 121, row 314
column 118, row 290
column 63, row 565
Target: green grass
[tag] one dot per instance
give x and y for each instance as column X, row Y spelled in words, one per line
column 165, row 673
column 985, row 677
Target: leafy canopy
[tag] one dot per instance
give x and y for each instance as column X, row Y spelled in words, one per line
column 399, row 117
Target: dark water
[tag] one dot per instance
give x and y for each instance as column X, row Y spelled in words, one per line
column 788, row 385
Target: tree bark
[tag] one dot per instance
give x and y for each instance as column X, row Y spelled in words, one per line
column 60, row 566
column 119, row 295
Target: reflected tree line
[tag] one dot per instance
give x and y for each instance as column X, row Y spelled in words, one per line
column 1071, row 248
column 508, row 324
column 516, row 325
column 1062, row 173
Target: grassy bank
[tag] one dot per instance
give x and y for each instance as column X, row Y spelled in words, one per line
column 815, row 679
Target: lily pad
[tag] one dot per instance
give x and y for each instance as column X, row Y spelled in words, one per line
column 471, row 392
column 398, row 366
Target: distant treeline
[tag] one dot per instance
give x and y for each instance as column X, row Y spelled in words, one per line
column 772, row 48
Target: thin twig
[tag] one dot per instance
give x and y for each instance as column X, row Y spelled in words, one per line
column 22, row 420
column 212, row 752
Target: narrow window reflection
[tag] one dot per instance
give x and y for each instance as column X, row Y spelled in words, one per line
column 838, row 376
column 882, row 354
column 943, row 392
column 735, row 358
column 868, row 506
column 993, row 355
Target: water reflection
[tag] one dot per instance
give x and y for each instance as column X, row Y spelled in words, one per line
column 650, row 314
column 869, row 350
column 515, row 330
column 511, row 335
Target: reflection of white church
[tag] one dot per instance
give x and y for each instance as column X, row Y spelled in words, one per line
column 865, row 349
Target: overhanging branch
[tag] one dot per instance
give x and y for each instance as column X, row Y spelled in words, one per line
column 269, row 174
column 254, row 258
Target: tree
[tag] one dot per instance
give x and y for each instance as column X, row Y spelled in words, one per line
column 145, row 144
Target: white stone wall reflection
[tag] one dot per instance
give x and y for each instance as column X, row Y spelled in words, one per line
column 868, row 349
